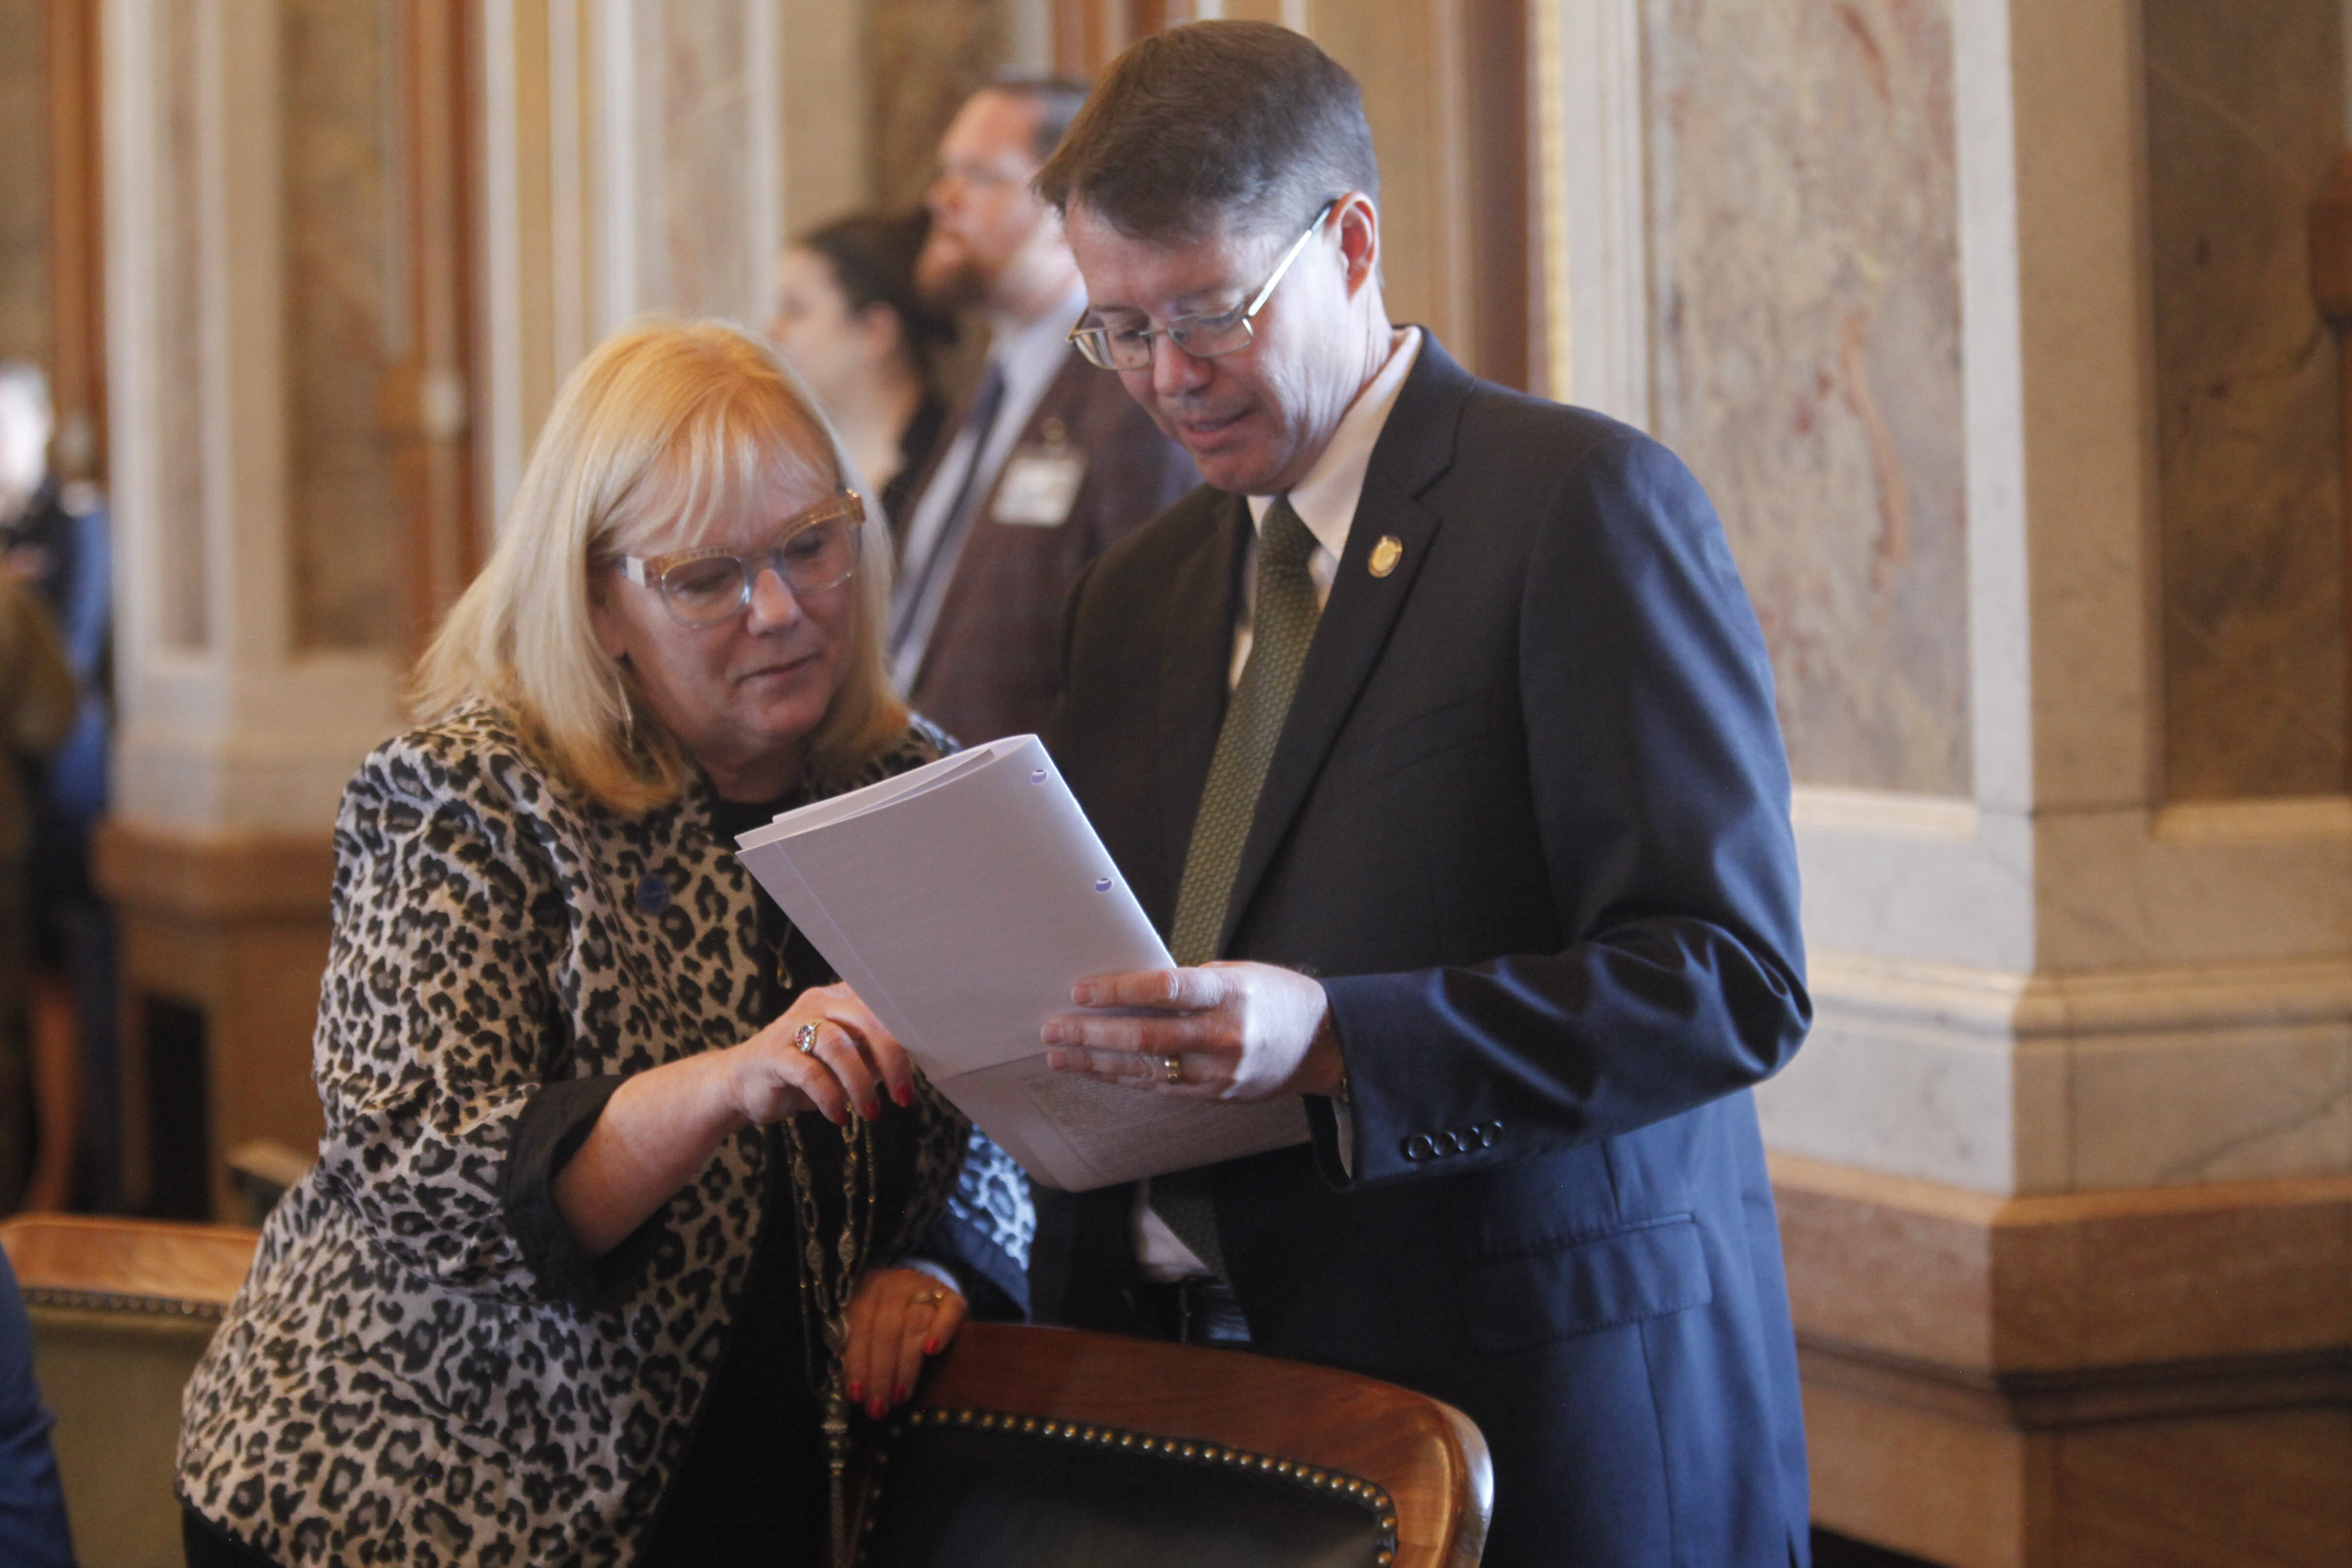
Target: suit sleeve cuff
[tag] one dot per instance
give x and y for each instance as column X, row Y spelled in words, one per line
column 1416, row 1108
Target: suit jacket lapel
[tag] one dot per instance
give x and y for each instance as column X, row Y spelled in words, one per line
column 1415, row 446
column 1194, row 656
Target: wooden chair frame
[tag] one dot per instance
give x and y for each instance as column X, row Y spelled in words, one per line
column 1426, row 1455
column 87, row 1263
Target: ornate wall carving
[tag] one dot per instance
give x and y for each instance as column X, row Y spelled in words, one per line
column 927, row 57
column 24, row 181
column 344, row 324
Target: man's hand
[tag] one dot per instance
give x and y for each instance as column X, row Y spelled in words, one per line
column 1234, row 1031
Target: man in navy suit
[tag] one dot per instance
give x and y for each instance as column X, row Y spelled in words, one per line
column 1438, row 733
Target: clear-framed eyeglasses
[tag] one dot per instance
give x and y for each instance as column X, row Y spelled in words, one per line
column 1203, row 336
column 814, row 550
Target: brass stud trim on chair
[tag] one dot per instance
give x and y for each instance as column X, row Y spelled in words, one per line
column 117, row 1301
column 1371, row 1495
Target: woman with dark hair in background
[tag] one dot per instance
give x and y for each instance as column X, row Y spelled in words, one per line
column 848, row 321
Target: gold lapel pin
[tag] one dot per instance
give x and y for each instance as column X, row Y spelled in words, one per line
column 1386, row 554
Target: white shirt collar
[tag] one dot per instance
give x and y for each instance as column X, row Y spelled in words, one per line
column 1326, row 499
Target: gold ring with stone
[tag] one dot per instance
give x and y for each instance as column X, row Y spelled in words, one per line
column 929, row 1298
column 1172, row 1070
column 805, row 1037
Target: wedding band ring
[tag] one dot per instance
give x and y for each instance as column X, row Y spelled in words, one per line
column 930, row 1298
column 1172, row 1070
column 805, row 1037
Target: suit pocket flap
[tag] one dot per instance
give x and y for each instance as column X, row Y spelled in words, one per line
column 1577, row 1286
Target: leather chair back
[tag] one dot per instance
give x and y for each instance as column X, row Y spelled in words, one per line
column 121, row 1310
column 1049, row 1447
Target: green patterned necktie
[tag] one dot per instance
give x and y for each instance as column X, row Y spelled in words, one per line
column 1283, row 626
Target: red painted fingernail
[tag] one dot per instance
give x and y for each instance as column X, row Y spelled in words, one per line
column 930, row 1347
column 899, row 1394
column 874, row 1407
column 904, row 1094
column 857, row 1394
column 871, row 1110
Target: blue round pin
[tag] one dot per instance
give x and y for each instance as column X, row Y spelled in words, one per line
column 653, row 896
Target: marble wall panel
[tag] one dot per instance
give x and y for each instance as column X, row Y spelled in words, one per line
column 2246, row 1107
column 24, row 181
column 2244, row 124
column 344, row 318
column 1806, row 300
column 704, row 97
column 927, row 57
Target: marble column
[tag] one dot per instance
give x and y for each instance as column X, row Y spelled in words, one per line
column 237, row 731
column 649, row 155
column 1982, row 325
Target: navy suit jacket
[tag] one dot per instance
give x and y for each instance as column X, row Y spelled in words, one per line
column 1529, row 823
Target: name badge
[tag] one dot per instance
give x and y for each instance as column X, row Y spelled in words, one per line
column 1039, row 488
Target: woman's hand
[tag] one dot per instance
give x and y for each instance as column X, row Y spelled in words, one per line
column 897, row 1317
column 853, row 1060
column 663, row 1125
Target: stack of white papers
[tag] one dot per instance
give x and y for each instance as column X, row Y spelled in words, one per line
column 961, row 902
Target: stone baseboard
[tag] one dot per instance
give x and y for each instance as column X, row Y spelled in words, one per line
column 2159, row 1376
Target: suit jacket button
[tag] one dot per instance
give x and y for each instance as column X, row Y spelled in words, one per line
column 1451, row 1142
column 1420, row 1146
column 1487, row 1133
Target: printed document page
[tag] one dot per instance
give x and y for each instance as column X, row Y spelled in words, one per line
column 961, row 900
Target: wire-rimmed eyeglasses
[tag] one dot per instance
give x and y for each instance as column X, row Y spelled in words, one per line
column 814, row 550
column 1203, row 336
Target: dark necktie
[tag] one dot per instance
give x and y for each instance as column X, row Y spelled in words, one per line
column 907, row 602
column 1281, row 629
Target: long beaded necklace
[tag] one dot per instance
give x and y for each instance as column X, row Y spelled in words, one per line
column 826, row 1286
column 828, row 1283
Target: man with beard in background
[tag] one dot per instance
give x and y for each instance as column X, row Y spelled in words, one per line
column 1042, row 465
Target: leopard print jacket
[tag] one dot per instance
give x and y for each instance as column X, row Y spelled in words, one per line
column 394, row 1383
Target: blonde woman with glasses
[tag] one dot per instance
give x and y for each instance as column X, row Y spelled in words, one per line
column 623, row 1214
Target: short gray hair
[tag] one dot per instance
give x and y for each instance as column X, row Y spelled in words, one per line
column 1240, row 125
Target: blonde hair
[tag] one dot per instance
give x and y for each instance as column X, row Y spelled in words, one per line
column 668, row 428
